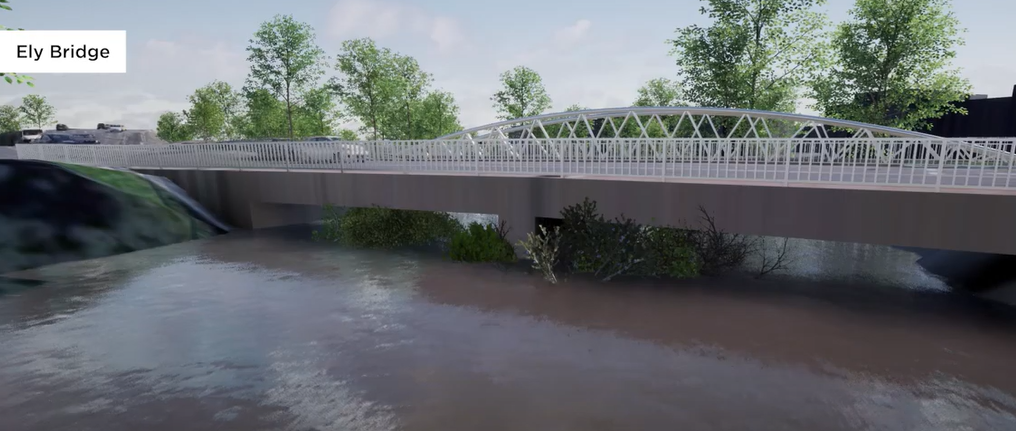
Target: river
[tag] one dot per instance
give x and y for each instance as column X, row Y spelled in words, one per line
column 269, row 331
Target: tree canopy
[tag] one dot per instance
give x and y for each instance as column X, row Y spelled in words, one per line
column 893, row 64
column 756, row 54
column 889, row 63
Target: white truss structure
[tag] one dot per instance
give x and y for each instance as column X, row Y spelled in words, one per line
column 676, row 123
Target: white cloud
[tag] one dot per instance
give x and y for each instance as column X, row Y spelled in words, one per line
column 572, row 34
column 160, row 75
column 381, row 20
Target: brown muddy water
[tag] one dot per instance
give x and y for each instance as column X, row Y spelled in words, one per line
column 268, row 331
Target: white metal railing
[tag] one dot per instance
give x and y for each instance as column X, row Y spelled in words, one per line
column 934, row 163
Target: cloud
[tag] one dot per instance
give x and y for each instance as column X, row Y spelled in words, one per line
column 160, row 75
column 573, row 33
column 381, row 20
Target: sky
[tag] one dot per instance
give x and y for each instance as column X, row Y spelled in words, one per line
column 594, row 53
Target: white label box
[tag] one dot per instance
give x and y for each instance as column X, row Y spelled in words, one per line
column 63, row 51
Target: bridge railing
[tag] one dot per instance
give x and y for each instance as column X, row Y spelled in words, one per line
column 953, row 163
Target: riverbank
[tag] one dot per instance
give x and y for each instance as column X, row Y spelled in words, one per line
column 52, row 213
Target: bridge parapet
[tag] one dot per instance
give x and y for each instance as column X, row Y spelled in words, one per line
column 929, row 163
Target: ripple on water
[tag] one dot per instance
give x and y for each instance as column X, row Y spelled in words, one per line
column 258, row 331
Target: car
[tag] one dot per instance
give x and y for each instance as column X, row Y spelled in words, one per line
column 62, row 128
column 114, row 128
column 67, row 138
column 101, row 126
column 351, row 152
column 30, row 135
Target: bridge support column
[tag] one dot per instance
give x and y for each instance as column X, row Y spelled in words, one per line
column 521, row 224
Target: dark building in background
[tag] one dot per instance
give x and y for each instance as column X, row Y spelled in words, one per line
column 986, row 118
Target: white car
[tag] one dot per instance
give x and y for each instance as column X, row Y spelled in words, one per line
column 114, row 128
column 350, row 151
column 30, row 135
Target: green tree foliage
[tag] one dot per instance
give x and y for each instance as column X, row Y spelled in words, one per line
column 390, row 94
column 36, row 111
column 348, row 135
column 228, row 102
column 10, row 119
column 591, row 244
column 410, row 86
column 437, row 115
column 893, row 65
column 284, row 60
column 659, row 92
column 172, row 127
column 205, row 118
column 378, row 227
column 522, row 94
column 317, row 113
column 265, row 116
column 756, row 54
column 366, row 83
column 481, row 243
column 12, row 78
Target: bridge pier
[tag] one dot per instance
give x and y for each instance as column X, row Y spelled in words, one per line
column 520, row 224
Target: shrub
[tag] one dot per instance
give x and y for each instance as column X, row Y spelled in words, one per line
column 378, row 227
column 607, row 249
column 481, row 243
column 717, row 250
column 543, row 250
column 669, row 252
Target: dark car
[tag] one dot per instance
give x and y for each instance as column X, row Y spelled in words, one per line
column 62, row 128
column 67, row 138
column 101, row 126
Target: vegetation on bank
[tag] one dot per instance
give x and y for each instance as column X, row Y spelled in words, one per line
column 585, row 243
column 379, row 227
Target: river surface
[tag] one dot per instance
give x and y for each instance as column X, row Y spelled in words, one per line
column 268, row 331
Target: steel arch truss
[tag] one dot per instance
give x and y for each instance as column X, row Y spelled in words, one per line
column 678, row 123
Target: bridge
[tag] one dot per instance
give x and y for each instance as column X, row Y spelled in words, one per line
column 757, row 172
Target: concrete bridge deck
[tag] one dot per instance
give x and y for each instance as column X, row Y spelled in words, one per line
column 980, row 221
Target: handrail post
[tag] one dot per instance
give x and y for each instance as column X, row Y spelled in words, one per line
column 560, row 152
column 786, row 170
column 941, row 167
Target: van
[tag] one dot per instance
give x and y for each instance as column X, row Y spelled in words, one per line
column 30, row 135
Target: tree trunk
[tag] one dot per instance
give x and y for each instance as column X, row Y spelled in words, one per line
column 289, row 113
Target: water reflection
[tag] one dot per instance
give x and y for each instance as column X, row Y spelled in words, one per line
column 269, row 331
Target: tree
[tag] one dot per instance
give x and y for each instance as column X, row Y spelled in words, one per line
column 366, row 84
column 411, row 84
column 437, row 114
column 284, row 59
column 348, row 135
column 205, row 117
column 10, row 119
column 36, row 111
column 522, row 94
column 892, row 65
column 265, row 116
column 757, row 54
column 659, row 92
column 13, row 77
column 172, row 127
column 318, row 113
column 222, row 95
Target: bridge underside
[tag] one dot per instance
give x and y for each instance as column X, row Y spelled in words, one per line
column 951, row 221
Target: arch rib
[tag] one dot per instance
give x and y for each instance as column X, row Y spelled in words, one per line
column 571, row 120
